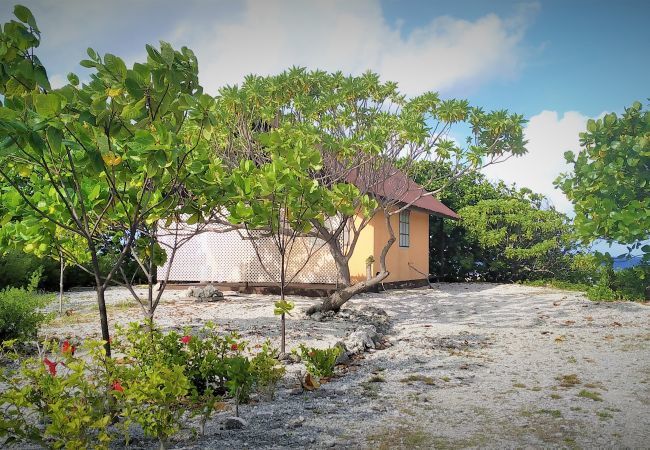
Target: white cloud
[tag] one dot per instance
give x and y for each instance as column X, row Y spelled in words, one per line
column 268, row 37
column 549, row 136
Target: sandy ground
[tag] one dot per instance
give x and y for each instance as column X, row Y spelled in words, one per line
column 471, row 365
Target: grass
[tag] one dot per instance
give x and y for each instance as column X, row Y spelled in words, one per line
column 445, row 379
column 556, row 396
column 376, row 379
column 595, row 396
column 519, row 385
column 568, row 380
column 604, row 415
column 417, row 377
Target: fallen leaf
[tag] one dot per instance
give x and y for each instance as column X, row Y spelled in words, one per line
column 569, row 322
column 589, row 318
column 616, row 324
column 310, row 382
column 560, row 338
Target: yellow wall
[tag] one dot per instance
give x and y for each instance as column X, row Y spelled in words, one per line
column 365, row 247
column 373, row 238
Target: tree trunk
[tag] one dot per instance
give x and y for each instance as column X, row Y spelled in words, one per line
column 61, row 271
column 282, row 318
column 103, row 318
column 341, row 262
column 340, row 297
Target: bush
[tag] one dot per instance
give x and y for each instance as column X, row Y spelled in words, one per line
column 319, row 363
column 20, row 313
column 267, row 371
column 60, row 399
column 53, row 402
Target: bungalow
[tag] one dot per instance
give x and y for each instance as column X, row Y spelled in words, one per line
column 221, row 256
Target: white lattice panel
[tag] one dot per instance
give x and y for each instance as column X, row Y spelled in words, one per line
column 228, row 257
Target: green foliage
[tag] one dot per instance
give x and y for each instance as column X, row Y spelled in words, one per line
column 266, row 369
column 532, row 240
column 283, row 307
column 21, row 313
column 610, row 183
column 506, row 233
column 319, row 362
column 205, row 356
column 67, row 397
column 150, row 396
column 59, row 402
column 103, row 159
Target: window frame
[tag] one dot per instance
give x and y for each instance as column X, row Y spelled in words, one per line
column 405, row 228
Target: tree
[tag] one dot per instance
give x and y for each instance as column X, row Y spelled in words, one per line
column 610, row 183
column 277, row 201
column 531, row 242
column 103, row 158
column 369, row 137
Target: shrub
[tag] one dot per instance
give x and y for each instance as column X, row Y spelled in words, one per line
column 20, row 313
column 319, row 363
column 267, row 371
column 151, row 397
column 56, row 401
column 204, row 355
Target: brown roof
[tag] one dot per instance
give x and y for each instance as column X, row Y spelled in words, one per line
column 399, row 187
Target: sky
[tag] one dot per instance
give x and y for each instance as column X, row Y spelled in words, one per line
column 557, row 62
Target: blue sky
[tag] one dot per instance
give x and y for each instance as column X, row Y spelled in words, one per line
column 558, row 62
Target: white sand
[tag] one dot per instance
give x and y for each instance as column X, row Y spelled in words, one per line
column 487, row 357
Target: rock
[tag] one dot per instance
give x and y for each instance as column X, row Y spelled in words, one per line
column 234, row 423
column 343, row 358
column 207, row 294
column 294, row 357
column 295, row 423
column 317, row 316
column 363, row 338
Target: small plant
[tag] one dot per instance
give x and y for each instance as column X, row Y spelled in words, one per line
column 151, row 397
column 56, row 399
column 416, row 377
column 568, row 380
column 595, row 396
column 267, row 372
column 319, row 363
column 604, row 415
column 240, row 380
column 20, row 313
column 283, row 308
column 377, row 379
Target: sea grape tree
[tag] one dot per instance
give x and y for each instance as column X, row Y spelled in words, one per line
column 610, row 183
column 104, row 157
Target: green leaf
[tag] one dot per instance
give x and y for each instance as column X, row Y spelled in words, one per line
column 94, row 193
column 115, row 65
column 73, row 79
column 47, row 105
column 54, row 138
column 25, row 15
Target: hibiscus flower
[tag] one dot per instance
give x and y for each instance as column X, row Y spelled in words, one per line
column 234, row 347
column 186, row 339
column 117, row 386
column 51, row 366
column 66, row 347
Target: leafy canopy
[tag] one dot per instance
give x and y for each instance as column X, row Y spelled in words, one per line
column 610, row 183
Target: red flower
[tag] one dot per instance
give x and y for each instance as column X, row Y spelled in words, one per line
column 234, row 347
column 186, row 339
column 66, row 347
column 117, row 386
column 51, row 366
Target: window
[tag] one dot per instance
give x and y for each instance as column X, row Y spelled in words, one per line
column 404, row 228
